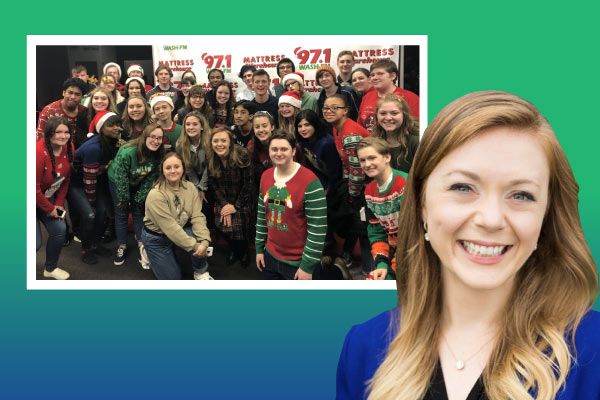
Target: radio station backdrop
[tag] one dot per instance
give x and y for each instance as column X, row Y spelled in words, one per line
column 202, row 57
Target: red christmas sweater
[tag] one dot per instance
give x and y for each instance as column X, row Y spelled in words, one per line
column 345, row 142
column 52, row 110
column 292, row 218
column 367, row 116
column 47, row 185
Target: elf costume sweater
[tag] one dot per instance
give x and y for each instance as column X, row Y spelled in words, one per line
column 292, row 218
column 125, row 173
column 345, row 142
column 383, row 208
column 368, row 106
column 47, row 185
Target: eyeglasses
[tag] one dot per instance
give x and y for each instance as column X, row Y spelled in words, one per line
column 332, row 109
column 289, row 85
column 285, row 66
column 155, row 138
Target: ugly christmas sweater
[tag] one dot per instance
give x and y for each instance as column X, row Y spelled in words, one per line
column 126, row 174
column 383, row 207
column 292, row 218
column 345, row 142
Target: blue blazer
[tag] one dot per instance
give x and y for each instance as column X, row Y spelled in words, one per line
column 366, row 345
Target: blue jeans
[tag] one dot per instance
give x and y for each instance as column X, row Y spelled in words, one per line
column 57, row 230
column 91, row 218
column 121, row 217
column 162, row 258
column 277, row 270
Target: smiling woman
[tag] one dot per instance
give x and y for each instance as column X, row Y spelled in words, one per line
column 495, row 279
column 174, row 219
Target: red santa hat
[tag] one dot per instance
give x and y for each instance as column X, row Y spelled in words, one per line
column 296, row 76
column 158, row 97
column 135, row 78
column 111, row 64
column 135, row 67
column 98, row 122
column 292, row 98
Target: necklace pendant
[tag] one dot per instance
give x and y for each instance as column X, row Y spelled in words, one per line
column 460, row 365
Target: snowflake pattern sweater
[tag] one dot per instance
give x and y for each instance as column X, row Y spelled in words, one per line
column 52, row 110
column 292, row 218
column 383, row 208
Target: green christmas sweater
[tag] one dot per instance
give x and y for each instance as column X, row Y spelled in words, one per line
column 170, row 137
column 383, row 208
column 292, row 218
column 125, row 173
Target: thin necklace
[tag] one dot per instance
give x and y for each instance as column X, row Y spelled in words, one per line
column 460, row 364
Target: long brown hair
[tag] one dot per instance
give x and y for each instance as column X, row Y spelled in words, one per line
column 142, row 154
column 128, row 123
column 553, row 290
column 183, row 143
column 237, row 157
column 49, row 131
column 410, row 124
column 197, row 90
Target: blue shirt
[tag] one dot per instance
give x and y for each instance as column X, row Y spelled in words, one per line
column 363, row 353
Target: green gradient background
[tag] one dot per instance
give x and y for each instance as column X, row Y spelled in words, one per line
column 248, row 343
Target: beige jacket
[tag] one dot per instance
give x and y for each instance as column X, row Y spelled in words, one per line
column 168, row 210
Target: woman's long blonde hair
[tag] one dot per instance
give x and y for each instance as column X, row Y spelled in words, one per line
column 553, row 290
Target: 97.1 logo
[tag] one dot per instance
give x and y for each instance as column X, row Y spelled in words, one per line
column 319, row 56
column 216, row 61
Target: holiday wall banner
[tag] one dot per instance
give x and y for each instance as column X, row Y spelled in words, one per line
column 201, row 58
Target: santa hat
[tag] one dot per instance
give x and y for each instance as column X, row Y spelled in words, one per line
column 135, row 67
column 327, row 68
column 158, row 97
column 296, row 76
column 136, row 78
column 98, row 122
column 292, row 98
column 111, row 64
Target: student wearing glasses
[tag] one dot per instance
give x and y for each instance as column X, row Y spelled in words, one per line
column 131, row 176
column 295, row 81
column 284, row 66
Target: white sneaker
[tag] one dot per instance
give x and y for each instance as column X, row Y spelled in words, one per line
column 202, row 276
column 57, row 273
column 144, row 260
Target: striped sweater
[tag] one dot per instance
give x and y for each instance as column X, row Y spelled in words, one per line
column 292, row 218
column 383, row 208
column 89, row 163
column 345, row 142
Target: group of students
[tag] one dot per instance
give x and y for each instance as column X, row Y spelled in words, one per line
column 271, row 165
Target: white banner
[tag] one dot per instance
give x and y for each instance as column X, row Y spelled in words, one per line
column 202, row 57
